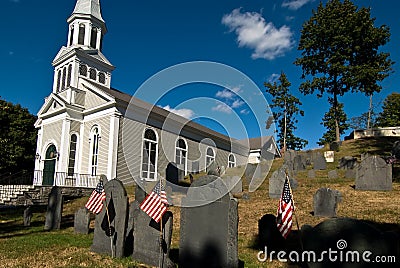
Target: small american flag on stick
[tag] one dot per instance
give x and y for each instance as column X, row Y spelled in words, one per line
column 156, row 203
column 95, row 202
column 285, row 210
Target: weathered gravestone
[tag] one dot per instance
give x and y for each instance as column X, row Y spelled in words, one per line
column 82, row 221
column 54, row 209
column 148, row 247
column 27, row 216
column 208, row 227
column 319, row 162
column 299, row 163
column 269, row 235
column 325, row 202
column 276, row 183
column 347, row 162
column 332, row 174
column 233, row 183
column 341, row 242
column 172, row 173
column 335, row 146
column 110, row 223
column 374, row 174
column 213, row 169
column 311, row 174
column 350, row 174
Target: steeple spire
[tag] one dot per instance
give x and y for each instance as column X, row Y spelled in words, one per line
column 89, row 7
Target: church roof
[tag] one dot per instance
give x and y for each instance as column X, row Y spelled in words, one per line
column 88, row 7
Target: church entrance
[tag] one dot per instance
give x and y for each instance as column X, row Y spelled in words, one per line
column 49, row 166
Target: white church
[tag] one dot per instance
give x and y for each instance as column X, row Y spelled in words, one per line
column 81, row 124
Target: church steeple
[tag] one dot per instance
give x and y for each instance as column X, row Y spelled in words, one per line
column 86, row 25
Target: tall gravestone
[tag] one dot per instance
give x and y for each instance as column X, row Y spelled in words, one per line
column 54, row 209
column 147, row 246
column 276, row 183
column 82, row 221
column 111, row 222
column 28, row 216
column 374, row 174
column 208, row 231
column 325, row 202
column 319, row 162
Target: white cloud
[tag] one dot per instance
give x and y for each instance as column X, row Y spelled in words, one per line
column 244, row 111
column 295, row 4
column 273, row 78
column 267, row 41
column 237, row 103
column 187, row 113
column 225, row 94
column 222, row 107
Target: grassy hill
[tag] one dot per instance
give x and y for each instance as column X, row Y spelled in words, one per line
column 32, row 247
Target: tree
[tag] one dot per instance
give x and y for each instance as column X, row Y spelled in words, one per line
column 390, row 115
column 286, row 108
column 361, row 122
column 340, row 53
column 329, row 121
column 17, row 139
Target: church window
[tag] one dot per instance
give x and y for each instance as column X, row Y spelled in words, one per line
column 58, row 80
column 72, row 155
column 92, row 74
column 71, row 36
column 83, row 70
column 210, row 156
column 102, row 78
column 149, row 156
column 69, row 75
column 93, row 37
column 64, row 74
column 81, row 34
column 94, row 138
column 181, row 154
column 231, row 161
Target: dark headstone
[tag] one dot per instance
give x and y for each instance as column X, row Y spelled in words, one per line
column 325, row 202
column 28, row 216
column 349, row 238
column 311, row 174
column 319, row 162
column 332, row 174
column 208, row 231
column 147, row 245
column 276, row 183
column 374, row 174
column 268, row 234
column 111, row 222
column 334, row 146
column 396, row 149
column 54, row 209
column 82, row 221
column 347, row 162
column 140, row 194
column 172, row 173
column 299, row 163
column 289, row 156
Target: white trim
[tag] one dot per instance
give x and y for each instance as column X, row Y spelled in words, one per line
column 113, row 147
column 185, row 150
column 206, row 165
column 95, row 115
column 81, row 152
column 234, row 160
column 91, row 132
column 76, row 151
column 66, row 126
column 156, row 160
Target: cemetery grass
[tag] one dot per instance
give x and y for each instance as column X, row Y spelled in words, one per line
column 33, row 247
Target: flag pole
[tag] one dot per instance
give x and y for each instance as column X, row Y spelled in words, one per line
column 294, row 209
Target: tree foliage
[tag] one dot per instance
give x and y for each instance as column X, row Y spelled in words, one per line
column 17, row 138
column 340, row 53
column 390, row 115
column 285, row 108
column 329, row 121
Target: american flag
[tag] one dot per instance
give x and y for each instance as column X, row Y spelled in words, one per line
column 95, row 202
column 285, row 210
column 156, row 203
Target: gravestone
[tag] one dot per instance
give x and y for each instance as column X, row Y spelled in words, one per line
column 268, row 234
column 325, row 202
column 311, row 174
column 233, row 183
column 299, row 163
column 329, row 156
column 28, row 216
column 374, row 174
column 140, row 194
column 54, row 209
column 208, row 227
column 335, row 146
column 332, row 174
column 289, row 156
column 346, row 239
column 350, row 174
column 213, row 169
column 146, row 234
column 82, row 221
column 276, row 183
column 396, row 150
column 110, row 223
column 347, row 162
column 319, row 162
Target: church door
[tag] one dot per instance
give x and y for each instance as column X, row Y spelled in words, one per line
column 49, row 166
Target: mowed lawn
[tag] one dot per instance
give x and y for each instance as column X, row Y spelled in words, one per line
column 33, row 247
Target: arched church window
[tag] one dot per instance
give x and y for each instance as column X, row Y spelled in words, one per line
column 69, row 75
column 210, row 156
column 149, row 156
column 92, row 74
column 93, row 37
column 83, row 70
column 102, row 78
column 181, row 154
column 72, row 155
column 64, row 74
column 231, row 161
column 71, row 36
column 58, row 80
column 94, row 138
column 81, row 34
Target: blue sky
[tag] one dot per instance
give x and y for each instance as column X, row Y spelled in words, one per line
column 146, row 37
